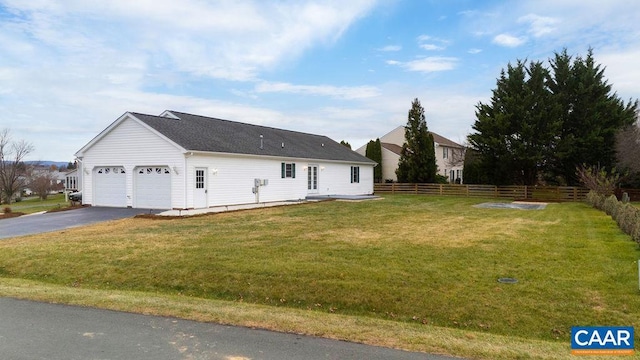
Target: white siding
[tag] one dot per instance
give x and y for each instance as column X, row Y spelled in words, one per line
column 230, row 179
column 445, row 164
column 395, row 136
column 130, row 144
column 335, row 179
column 389, row 165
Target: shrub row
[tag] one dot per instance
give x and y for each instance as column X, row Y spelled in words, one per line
column 626, row 216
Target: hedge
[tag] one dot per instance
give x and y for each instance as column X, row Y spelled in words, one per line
column 626, row 216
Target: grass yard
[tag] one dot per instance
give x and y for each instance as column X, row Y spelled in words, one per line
column 419, row 265
column 34, row 204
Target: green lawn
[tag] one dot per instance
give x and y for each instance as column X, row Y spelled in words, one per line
column 426, row 262
column 34, row 204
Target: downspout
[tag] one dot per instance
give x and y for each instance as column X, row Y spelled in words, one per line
column 186, row 155
column 80, row 170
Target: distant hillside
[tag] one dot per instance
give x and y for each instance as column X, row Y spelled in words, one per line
column 49, row 163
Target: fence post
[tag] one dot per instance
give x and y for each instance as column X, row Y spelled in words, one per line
column 393, row 188
column 416, row 188
column 440, row 189
column 575, row 193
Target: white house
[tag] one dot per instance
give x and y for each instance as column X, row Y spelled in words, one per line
column 185, row 161
column 449, row 155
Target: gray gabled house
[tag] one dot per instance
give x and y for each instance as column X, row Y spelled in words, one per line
column 184, row 161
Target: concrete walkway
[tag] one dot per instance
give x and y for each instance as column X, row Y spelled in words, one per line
column 218, row 209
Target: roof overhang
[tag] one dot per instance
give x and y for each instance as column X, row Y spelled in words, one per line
column 279, row 158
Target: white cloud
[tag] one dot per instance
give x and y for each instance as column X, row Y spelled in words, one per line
column 343, row 92
column 431, row 47
column 228, row 40
column 539, row 25
column 622, row 71
column 431, row 64
column 431, row 43
column 389, row 48
column 474, row 51
column 508, row 40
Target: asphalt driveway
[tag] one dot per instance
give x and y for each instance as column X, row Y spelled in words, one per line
column 40, row 223
column 32, row 330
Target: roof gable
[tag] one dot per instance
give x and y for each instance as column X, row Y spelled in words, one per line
column 201, row 133
column 125, row 117
column 396, row 136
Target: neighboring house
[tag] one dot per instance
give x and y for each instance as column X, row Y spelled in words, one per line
column 72, row 180
column 449, row 155
column 185, row 161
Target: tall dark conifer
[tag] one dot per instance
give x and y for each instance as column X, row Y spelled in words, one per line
column 417, row 162
column 591, row 115
column 540, row 124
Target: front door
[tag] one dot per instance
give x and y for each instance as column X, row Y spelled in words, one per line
column 312, row 179
column 200, row 189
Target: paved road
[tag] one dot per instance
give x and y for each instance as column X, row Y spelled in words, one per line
column 35, row 224
column 32, row 330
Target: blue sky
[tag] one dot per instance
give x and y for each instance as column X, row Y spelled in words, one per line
column 345, row 69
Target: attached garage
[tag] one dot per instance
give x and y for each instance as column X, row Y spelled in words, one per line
column 185, row 161
column 110, row 186
column 152, row 187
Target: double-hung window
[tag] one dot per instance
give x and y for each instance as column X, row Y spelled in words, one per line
column 355, row 174
column 288, row 170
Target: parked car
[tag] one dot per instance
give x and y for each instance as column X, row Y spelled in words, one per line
column 75, row 196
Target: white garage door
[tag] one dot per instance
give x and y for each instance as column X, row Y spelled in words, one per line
column 110, row 186
column 152, row 187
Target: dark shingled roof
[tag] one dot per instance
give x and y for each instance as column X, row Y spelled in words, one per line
column 394, row 148
column 201, row 133
column 443, row 141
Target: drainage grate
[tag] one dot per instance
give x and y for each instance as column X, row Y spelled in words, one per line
column 507, row 280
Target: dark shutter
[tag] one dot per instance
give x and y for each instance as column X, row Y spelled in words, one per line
column 293, row 170
column 283, row 170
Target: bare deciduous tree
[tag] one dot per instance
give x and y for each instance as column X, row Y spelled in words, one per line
column 42, row 182
column 12, row 168
column 456, row 157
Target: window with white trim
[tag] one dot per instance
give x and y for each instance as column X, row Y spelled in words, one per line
column 355, row 174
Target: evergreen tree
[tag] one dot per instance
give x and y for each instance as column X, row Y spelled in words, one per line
column 515, row 132
column 472, row 171
column 417, row 162
column 345, row 144
column 374, row 152
column 591, row 115
column 540, row 124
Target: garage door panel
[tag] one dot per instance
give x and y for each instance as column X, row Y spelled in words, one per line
column 110, row 186
column 152, row 187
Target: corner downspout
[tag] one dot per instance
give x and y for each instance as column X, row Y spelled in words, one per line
column 184, row 204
